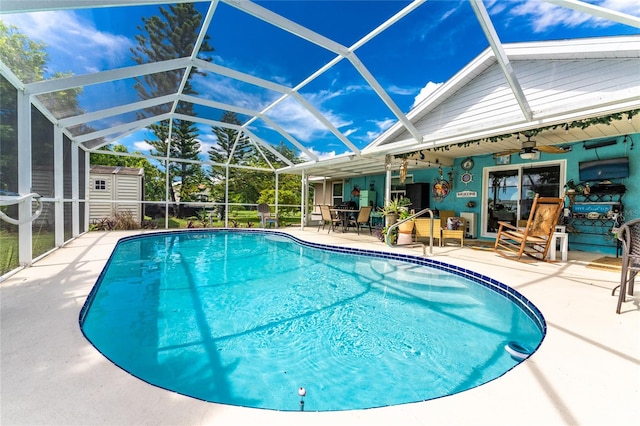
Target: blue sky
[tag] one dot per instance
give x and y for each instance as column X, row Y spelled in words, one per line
column 408, row 60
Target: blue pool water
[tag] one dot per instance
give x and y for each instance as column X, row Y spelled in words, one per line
column 248, row 317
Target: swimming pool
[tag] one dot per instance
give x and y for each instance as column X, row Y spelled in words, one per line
column 247, row 317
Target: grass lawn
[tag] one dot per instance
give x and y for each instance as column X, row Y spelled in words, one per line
column 42, row 242
column 237, row 219
column 45, row 240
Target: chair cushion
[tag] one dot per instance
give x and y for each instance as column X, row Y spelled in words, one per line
column 453, row 223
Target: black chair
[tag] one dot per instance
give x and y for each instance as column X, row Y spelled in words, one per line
column 629, row 236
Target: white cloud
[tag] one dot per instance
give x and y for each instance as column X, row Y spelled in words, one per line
column 544, row 16
column 142, row 146
column 321, row 155
column 299, row 122
column 496, row 7
column 425, row 92
column 349, row 132
column 401, row 90
column 78, row 44
column 289, row 114
column 381, row 126
column 371, row 135
column 227, row 90
column 632, row 7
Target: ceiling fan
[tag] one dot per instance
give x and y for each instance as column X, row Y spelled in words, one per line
column 529, row 150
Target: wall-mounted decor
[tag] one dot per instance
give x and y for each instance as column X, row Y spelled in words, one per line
column 466, row 178
column 440, row 190
column 441, row 187
column 466, row 194
column 467, row 164
column 503, row 159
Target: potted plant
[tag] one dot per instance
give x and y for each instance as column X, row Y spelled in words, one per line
column 405, row 230
column 571, row 190
column 392, row 208
column 382, row 233
column 406, row 227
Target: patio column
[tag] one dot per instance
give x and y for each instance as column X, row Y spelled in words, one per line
column 58, row 188
column 25, row 251
column 75, row 191
column 166, row 191
column 387, row 182
column 87, row 172
column 226, row 196
column 168, row 183
column 303, row 202
column 276, row 192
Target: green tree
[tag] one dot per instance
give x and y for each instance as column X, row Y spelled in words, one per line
column 253, row 186
column 234, row 150
column 27, row 59
column 224, row 151
column 169, row 36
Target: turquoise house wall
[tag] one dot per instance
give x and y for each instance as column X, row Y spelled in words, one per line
column 365, row 183
column 630, row 200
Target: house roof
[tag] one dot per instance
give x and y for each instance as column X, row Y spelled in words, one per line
column 567, row 84
column 508, row 88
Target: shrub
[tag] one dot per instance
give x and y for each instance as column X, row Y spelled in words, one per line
column 120, row 221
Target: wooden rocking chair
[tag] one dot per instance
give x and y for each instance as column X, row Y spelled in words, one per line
column 533, row 239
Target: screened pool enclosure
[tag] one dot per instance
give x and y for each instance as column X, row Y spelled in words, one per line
column 226, row 103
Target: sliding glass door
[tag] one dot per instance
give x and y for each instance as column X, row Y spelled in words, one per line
column 508, row 191
column 503, row 195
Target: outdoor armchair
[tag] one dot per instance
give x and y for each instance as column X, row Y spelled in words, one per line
column 533, row 239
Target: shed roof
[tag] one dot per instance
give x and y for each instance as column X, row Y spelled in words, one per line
column 116, row 170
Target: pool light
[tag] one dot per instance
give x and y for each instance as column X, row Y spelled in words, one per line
column 302, row 392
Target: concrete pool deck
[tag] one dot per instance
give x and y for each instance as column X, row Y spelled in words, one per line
column 587, row 371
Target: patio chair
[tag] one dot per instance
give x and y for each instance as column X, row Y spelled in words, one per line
column 423, row 226
column 629, row 235
column 534, row 238
column 328, row 218
column 444, row 215
column 454, row 228
column 362, row 220
column 266, row 217
column 423, row 229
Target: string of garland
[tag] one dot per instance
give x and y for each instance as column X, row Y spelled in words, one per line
column 581, row 124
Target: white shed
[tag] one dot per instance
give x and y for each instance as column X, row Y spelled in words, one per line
column 115, row 189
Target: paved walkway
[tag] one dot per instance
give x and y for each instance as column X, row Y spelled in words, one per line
column 587, row 371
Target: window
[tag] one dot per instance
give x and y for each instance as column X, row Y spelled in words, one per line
column 100, row 185
column 336, row 196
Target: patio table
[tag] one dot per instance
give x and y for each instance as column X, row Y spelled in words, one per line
column 343, row 215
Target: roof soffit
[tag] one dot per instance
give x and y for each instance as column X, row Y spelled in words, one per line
column 524, row 55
